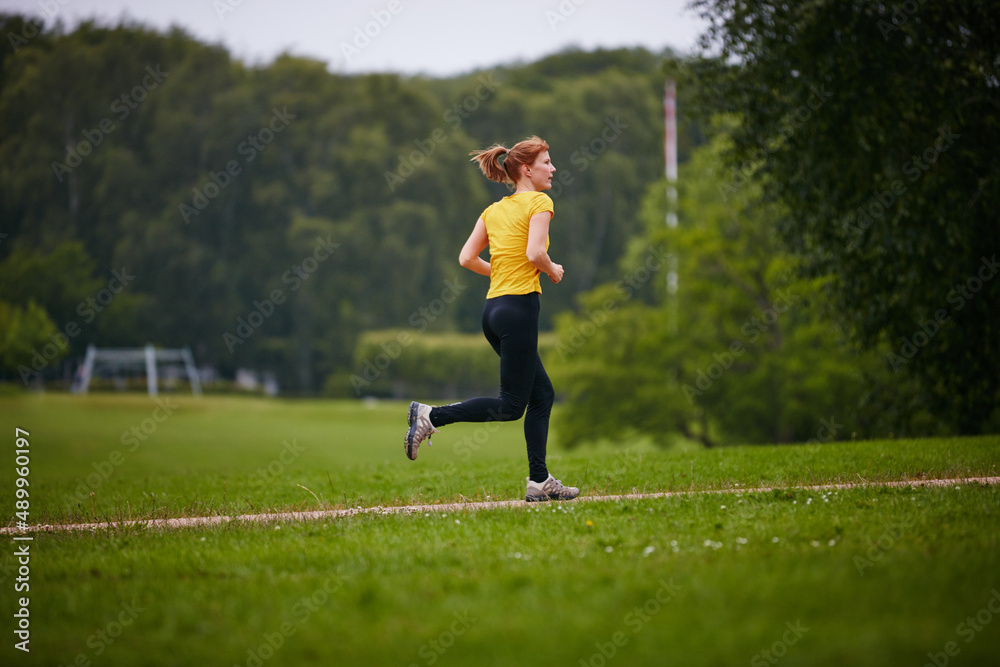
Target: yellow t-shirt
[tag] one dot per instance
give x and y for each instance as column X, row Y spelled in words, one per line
column 507, row 229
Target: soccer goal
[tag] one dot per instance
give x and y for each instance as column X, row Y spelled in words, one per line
column 118, row 360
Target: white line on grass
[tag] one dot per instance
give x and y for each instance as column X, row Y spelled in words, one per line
column 193, row 521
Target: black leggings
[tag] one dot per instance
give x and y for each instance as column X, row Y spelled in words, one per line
column 510, row 323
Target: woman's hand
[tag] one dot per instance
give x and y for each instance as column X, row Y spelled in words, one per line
column 556, row 273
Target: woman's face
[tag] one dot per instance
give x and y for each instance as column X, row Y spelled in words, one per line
column 540, row 172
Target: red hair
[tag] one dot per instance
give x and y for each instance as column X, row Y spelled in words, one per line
column 507, row 170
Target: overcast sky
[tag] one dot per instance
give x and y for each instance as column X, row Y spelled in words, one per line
column 434, row 37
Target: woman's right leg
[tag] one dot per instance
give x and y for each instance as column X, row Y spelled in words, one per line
column 511, row 326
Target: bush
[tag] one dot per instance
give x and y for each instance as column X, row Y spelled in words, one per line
column 399, row 363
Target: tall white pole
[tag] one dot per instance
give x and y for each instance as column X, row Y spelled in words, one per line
column 670, row 150
column 670, row 155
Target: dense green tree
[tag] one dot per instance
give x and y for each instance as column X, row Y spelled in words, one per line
column 876, row 127
column 24, row 333
column 49, row 301
column 271, row 214
column 739, row 354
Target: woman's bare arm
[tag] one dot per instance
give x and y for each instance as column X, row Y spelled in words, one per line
column 476, row 243
column 538, row 236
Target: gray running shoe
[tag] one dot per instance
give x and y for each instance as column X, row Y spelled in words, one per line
column 419, row 419
column 550, row 489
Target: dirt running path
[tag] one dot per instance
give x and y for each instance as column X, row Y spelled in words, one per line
column 190, row 522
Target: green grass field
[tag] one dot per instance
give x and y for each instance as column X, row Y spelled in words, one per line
column 872, row 576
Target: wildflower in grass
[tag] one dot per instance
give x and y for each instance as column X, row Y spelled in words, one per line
column 815, row 543
column 648, row 550
column 609, row 549
column 741, row 540
column 774, row 540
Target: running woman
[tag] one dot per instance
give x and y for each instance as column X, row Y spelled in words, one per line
column 516, row 231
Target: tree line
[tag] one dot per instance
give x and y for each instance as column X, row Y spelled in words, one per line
column 833, row 269
column 271, row 214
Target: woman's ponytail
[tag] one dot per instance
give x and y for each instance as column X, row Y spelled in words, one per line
column 503, row 164
column 491, row 163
